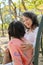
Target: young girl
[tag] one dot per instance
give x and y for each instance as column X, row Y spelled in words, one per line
column 19, row 56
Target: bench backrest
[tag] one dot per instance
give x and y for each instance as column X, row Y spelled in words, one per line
column 38, row 42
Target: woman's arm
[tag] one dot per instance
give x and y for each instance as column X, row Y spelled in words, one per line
column 26, row 45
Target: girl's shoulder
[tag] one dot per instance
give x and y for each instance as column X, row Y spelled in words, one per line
column 15, row 42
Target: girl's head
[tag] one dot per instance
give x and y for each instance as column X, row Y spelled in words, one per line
column 16, row 29
column 30, row 19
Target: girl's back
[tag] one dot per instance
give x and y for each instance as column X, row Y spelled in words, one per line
column 18, row 56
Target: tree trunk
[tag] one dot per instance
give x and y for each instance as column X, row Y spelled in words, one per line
column 2, row 22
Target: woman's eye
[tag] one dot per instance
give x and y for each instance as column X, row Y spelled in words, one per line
column 23, row 20
column 27, row 19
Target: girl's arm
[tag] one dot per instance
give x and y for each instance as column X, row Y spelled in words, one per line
column 7, row 57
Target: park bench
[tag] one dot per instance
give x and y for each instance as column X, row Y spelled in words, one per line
column 40, row 34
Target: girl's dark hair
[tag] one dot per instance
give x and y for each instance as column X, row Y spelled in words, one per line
column 32, row 16
column 10, row 30
column 16, row 29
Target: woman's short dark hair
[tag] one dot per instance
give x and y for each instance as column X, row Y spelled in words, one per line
column 16, row 29
column 32, row 16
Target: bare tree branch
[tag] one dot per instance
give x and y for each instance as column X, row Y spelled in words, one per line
column 24, row 5
column 2, row 21
column 15, row 13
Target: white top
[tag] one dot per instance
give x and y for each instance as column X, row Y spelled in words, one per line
column 31, row 36
column 11, row 63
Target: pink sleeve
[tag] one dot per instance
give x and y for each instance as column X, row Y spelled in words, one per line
column 15, row 54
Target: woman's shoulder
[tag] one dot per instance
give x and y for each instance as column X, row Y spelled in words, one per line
column 36, row 30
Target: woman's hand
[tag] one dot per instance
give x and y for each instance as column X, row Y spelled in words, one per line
column 25, row 47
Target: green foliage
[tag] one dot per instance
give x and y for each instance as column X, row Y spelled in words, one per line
column 8, row 11
column 5, row 26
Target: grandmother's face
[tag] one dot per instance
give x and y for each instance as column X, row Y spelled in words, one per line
column 27, row 22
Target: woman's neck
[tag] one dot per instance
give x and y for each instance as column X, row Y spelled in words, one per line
column 32, row 28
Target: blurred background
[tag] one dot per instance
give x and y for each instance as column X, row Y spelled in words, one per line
column 13, row 9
